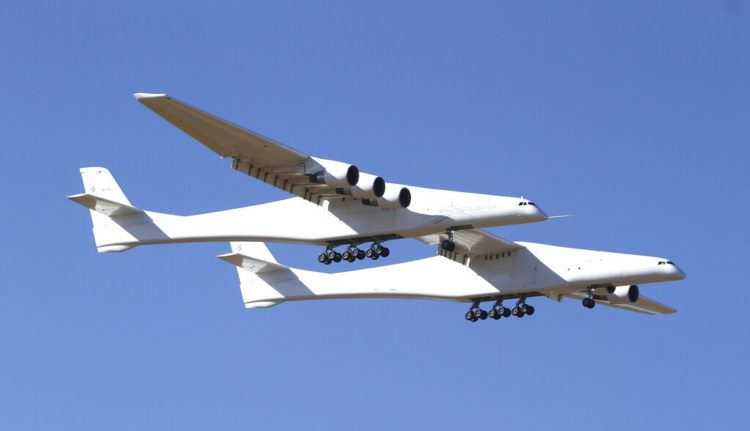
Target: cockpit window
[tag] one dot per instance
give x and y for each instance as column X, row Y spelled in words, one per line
column 666, row 262
column 523, row 203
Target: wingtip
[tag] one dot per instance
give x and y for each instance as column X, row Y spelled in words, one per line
column 146, row 96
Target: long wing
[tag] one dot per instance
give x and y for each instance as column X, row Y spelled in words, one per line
column 252, row 154
column 472, row 243
column 642, row 305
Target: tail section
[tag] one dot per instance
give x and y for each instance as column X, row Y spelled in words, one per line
column 106, row 202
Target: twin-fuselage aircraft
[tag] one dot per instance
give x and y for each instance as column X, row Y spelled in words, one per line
column 352, row 214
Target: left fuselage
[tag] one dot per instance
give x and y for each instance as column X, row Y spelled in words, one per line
column 296, row 220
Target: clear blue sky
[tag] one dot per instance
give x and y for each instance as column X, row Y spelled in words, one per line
column 635, row 117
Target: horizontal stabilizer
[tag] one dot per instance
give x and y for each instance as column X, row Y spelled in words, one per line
column 102, row 205
column 251, row 264
column 252, row 256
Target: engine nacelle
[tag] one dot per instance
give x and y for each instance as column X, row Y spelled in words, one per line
column 623, row 294
column 335, row 174
column 394, row 197
column 369, row 187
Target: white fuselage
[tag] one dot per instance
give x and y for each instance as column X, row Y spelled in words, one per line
column 536, row 269
column 296, row 220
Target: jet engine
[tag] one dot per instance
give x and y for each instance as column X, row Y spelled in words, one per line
column 369, row 187
column 394, row 197
column 335, row 174
column 623, row 294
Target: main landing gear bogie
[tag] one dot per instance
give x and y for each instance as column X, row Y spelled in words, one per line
column 374, row 252
column 498, row 311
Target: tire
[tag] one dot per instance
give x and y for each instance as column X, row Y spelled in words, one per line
column 337, row 257
column 322, row 257
column 477, row 312
column 330, row 254
column 492, row 313
column 530, row 310
column 370, row 252
column 506, row 312
column 448, row 245
column 327, row 261
column 483, row 315
column 361, row 254
column 384, row 251
column 469, row 315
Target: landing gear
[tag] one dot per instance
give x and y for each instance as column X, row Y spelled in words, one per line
column 498, row 311
column 475, row 313
column 588, row 303
column 522, row 309
column 352, row 253
column 448, row 244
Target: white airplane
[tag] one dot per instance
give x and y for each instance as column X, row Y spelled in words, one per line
column 481, row 268
column 335, row 204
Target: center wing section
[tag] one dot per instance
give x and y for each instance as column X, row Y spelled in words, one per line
column 276, row 164
column 472, row 243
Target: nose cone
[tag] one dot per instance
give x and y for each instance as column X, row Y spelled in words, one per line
column 672, row 271
column 539, row 215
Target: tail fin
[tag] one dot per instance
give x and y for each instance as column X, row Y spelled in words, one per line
column 105, row 199
column 259, row 272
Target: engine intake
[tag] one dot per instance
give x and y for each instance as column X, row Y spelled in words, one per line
column 394, row 197
column 335, row 174
column 623, row 294
column 368, row 187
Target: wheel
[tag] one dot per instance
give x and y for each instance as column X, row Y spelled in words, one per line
column 530, row 310
column 483, row 315
column 448, row 245
column 491, row 313
column 588, row 303
column 384, row 251
column 477, row 312
column 515, row 311
column 360, row 254
column 330, row 254
column 322, row 257
column 506, row 312
column 474, row 318
column 370, row 252
column 469, row 315
column 378, row 249
column 327, row 261
column 375, row 257
column 337, row 257
column 345, row 255
column 351, row 259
